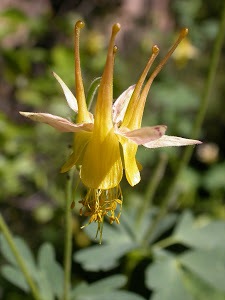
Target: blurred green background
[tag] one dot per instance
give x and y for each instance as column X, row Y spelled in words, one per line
column 36, row 38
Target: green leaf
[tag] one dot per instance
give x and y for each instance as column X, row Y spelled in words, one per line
column 106, row 257
column 208, row 265
column 187, row 276
column 51, row 268
column 22, row 248
column 15, row 276
column 110, row 283
column 102, row 257
column 164, row 225
column 116, row 295
column 6, row 252
column 200, row 289
column 166, row 279
column 202, row 235
column 46, row 253
column 44, row 285
column 106, row 284
column 103, row 290
column 110, row 233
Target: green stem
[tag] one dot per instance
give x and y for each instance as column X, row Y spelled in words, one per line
column 9, row 238
column 92, row 91
column 152, row 186
column 68, row 240
column 197, row 125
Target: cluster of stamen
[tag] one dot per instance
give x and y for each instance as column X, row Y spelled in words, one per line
column 98, row 204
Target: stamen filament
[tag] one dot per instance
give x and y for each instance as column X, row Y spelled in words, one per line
column 98, row 204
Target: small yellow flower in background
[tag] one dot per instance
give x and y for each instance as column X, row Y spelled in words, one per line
column 185, row 52
column 98, row 139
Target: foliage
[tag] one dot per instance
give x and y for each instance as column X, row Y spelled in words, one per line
column 48, row 275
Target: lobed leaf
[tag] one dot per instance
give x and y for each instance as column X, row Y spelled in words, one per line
column 23, row 249
column 166, row 279
column 104, row 289
column 104, row 257
column 51, row 268
column 207, row 236
column 207, row 265
column 15, row 276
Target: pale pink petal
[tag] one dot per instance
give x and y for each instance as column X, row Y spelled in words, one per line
column 59, row 123
column 91, row 117
column 143, row 135
column 121, row 103
column 168, row 141
column 71, row 100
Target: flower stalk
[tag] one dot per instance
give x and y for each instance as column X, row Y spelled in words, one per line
column 68, row 239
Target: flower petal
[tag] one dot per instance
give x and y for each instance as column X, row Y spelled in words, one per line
column 71, row 100
column 167, row 141
column 81, row 140
column 103, row 107
column 143, row 135
column 57, row 122
column 101, row 164
column 121, row 103
column 131, row 166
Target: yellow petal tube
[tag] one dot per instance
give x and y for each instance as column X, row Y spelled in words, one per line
column 80, row 138
column 83, row 114
column 102, row 164
column 139, row 104
column 131, row 109
column 129, row 148
column 134, row 113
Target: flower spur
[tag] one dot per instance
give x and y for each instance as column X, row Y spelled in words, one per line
column 98, row 139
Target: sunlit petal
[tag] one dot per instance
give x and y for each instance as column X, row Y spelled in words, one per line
column 102, row 165
column 121, row 103
column 81, row 140
column 168, row 141
column 57, row 122
column 103, row 108
column 131, row 166
column 143, row 135
column 71, row 100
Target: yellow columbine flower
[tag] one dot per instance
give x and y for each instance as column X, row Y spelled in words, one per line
column 98, row 139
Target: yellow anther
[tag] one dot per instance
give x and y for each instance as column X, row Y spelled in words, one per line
column 119, row 201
